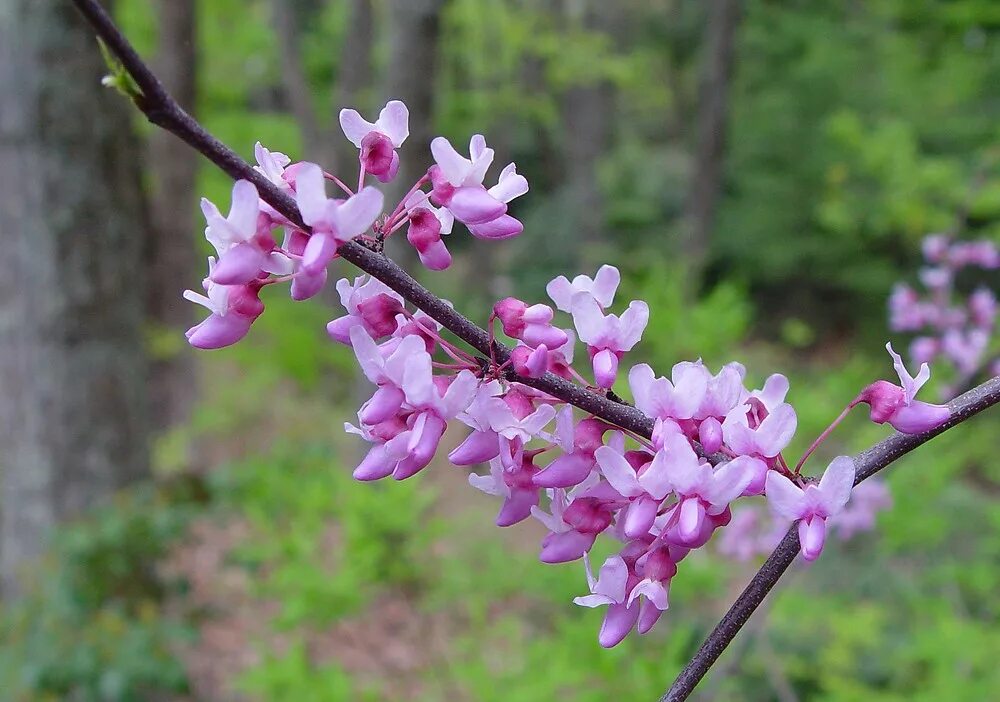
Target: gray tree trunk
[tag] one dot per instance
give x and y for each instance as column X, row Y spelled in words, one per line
column 588, row 118
column 172, row 262
column 713, row 109
column 72, row 375
column 414, row 30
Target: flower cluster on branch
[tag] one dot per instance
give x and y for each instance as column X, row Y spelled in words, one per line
column 661, row 494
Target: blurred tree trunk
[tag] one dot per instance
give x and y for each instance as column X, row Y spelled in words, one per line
column 588, row 118
column 288, row 17
column 72, row 373
column 713, row 109
column 354, row 74
column 414, row 30
column 171, row 252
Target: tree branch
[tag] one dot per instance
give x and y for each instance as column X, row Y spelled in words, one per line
column 162, row 110
column 866, row 465
column 158, row 106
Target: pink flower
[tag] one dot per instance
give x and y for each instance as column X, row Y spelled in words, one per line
column 378, row 142
column 333, row 222
column 513, row 484
column 242, row 239
column 701, row 490
column 813, row 505
column 645, row 487
column 608, row 337
column 532, row 325
column 458, row 181
column 659, row 398
column 579, row 447
column 750, row 430
column 370, row 304
column 234, row 308
column 601, row 287
column 896, row 405
column 509, row 186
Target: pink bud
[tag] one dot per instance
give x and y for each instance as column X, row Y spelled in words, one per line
column 218, row 331
column 531, row 363
column 379, row 157
column 710, row 435
column 605, row 368
column 478, row 447
column 884, row 398
column 306, row 285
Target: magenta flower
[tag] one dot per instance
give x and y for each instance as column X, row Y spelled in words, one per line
column 896, row 405
column 234, row 308
column 701, row 490
column 378, row 142
column 607, row 337
column 370, row 304
column 242, row 239
column 752, row 430
column 531, row 324
column 458, row 182
column 659, row 398
column 333, row 222
column 814, row 504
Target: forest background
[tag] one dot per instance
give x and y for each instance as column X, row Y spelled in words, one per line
column 762, row 172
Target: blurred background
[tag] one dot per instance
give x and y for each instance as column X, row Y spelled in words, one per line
column 184, row 527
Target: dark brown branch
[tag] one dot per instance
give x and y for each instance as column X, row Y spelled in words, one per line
column 866, row 464
column 163, row 111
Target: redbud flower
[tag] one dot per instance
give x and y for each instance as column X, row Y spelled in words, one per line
column 242, row 240
column 608, row 337
column 701, row 490
column 814, row 504
column 513, row 484
column 747, row 434
column 509, row 186
column 660, row 398
column 234, row 308
column 896, row 405
column 371, row 304
column 532, row 325
column 426, row 226
column 458, row 181
column 378, row 142
column 601, row 287
column 333, row 222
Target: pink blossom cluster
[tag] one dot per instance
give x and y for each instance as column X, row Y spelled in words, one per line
column 956, row 327
column 714, row 440
column 248, row 255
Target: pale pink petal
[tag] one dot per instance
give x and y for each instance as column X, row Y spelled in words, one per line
column 588, row 319
column 245, row 208
column 836, row 485
column 784, row 497
column 655, row 478
column 453, row 165
column 310, row 193
column 355, row 126
column 561, row 292
column 633, row 323
column 776, row 430
column 358, row 213
column 394, row 122
column 605, row 285
column 729, row 481
column 618, row 471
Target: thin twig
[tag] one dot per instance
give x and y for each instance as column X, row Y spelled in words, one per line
column 866, row 465
column 161, row 109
